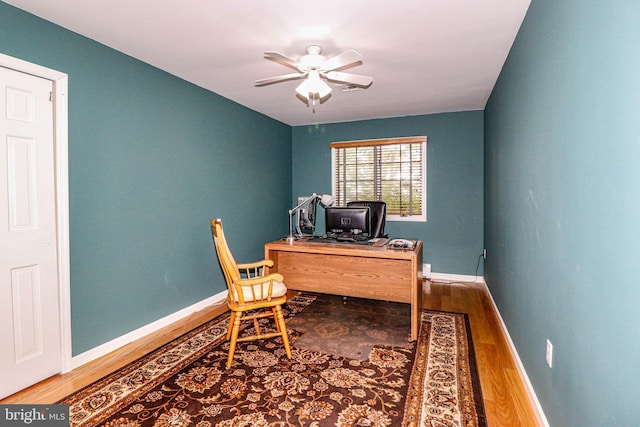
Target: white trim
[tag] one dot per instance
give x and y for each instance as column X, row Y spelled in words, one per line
column 61, row 129
column 541, row 417
column 143, row 331
column 61, row 98
column 452, row 278
column 30, row 68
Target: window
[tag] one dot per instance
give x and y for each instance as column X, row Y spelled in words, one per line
column 392, row 170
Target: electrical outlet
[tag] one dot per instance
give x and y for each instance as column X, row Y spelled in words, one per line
column 484, row 253
column 549, row 355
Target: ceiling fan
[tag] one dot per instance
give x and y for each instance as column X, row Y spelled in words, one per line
column 315, row 68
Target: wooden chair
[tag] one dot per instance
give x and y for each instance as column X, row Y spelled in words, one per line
column 250, row 290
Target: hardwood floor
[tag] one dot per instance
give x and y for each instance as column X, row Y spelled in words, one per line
column 506, row 400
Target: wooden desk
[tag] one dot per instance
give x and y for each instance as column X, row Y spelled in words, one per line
column 374, row 272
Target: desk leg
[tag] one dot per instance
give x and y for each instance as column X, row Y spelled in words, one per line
column 415, row 314
column 416, row 298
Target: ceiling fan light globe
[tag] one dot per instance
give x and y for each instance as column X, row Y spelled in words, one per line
column 303, row 90
column 313, row 87
column 323, row 90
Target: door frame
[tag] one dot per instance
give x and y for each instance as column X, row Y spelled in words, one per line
column 61, row 159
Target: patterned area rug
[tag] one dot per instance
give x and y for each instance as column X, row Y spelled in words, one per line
column 431, row 382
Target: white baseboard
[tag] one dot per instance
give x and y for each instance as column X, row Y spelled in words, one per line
column 452, row 278
column 116, row 343
column 542, row 419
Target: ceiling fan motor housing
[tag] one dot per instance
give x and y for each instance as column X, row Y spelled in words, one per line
column 312, row 60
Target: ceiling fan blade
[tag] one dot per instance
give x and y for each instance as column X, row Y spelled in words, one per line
column 345, row 59
column 356, row 79
column 282, row 59
column 278, row 79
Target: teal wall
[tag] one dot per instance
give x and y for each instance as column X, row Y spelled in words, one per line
column 152, row 159
column 562, row 203
column 453, row 233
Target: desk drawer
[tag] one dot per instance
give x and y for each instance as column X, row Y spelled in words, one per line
column 376, row 278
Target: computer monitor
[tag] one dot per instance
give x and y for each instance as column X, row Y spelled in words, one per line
column 378, row 215
column 354, row 220
column 306, row 217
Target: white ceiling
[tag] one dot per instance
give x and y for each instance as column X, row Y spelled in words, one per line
column 425, row 56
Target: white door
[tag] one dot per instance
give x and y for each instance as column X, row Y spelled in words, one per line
column 30, row 328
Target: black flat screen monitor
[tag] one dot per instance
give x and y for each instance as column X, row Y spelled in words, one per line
column 354, row 220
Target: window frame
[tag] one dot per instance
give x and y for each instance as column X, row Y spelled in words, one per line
column 422, row 140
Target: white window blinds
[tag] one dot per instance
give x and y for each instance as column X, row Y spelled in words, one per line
column 390, row 170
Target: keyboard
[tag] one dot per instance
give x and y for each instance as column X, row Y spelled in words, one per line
column 350, row 237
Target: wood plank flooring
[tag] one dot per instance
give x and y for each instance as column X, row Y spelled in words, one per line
column 506, row 401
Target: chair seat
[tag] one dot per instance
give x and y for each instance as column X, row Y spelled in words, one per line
column 279, row 289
